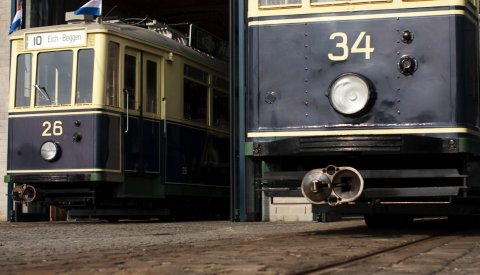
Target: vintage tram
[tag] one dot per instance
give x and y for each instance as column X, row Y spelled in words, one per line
column 365, row 107
column 117, row 120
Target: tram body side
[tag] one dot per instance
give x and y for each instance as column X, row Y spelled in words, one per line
column 129, row 146
column 366, row 112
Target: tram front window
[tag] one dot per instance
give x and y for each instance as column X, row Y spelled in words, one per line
column 85, row 76
column 24, row 74
column 54, row 78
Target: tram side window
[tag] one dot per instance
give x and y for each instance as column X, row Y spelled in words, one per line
column 54, row 78
column 320, row 1
column 24, row 80
column 111, row 97
column 130, row 77
column 279, row 2
column 85, row 76
column 221, row 103
column 195, row 90
column 152, row 86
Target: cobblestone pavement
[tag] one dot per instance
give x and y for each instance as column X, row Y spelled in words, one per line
column 223, row 247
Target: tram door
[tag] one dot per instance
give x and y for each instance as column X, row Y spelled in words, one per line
column 141, row 130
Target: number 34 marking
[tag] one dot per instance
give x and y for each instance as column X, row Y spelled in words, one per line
column 356, row 48
column 56, row 130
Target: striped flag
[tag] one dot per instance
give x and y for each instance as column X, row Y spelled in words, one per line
column 93, row 7
column 17, row 20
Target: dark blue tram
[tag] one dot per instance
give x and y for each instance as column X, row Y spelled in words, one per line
column 366, row 107
column 113, row 120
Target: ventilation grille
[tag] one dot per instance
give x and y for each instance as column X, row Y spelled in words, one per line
column 20, row 45
column 90, row 40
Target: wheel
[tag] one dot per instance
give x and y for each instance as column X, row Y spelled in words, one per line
column 461, row 221
column 112, row 219
column 384, row 220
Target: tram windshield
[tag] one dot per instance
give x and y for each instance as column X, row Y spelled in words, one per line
column 24, row 78
column 55, row 77
column 84, row 76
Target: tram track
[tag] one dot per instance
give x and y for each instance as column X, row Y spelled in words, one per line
column 222, row 247
column 383, row 257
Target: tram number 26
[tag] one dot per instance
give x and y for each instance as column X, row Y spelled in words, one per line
column 342, row 44
column 52, row 129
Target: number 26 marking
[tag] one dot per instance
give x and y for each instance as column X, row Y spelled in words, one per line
column 57, row 129
column 343, row 44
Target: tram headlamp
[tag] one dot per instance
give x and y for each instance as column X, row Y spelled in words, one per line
column 50, row 151
column 349, row 94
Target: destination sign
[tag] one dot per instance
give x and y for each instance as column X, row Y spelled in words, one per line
column 60, row 39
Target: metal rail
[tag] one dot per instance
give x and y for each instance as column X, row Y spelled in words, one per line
column 422, row 244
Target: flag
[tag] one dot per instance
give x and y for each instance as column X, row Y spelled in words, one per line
column 93, row 7
column 17, row 20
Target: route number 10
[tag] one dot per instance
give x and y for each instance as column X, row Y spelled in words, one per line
column 37, row 41
column 342, row 40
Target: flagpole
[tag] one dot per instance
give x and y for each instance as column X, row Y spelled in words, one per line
column 13, row 9
column 20, row 3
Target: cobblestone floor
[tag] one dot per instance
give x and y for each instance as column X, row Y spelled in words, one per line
column 223, row 247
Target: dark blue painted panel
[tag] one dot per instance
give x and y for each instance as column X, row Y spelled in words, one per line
column 298, row 72
column 195, row 156
column 142, row 145
column 98, row 147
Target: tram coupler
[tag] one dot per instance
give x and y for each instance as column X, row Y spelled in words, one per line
column 24, row 193
column 334, row 185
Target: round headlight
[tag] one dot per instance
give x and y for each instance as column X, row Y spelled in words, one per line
column 349, row 94
column 49, row 151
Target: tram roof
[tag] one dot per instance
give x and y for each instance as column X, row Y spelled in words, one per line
column 136, row 33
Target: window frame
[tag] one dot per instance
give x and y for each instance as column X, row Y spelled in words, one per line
column 159, row 82
column 116, row 76
column 27, row 79
column 137, row 54
column 204, row 82
column 76, row 78
column 36, row 96
column 280, row 5
column 222, row 90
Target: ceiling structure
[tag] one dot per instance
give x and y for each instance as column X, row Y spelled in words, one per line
column 211, row 15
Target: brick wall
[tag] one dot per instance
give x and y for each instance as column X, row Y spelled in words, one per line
column 4, row 80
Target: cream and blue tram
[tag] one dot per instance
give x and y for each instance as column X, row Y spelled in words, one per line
column 365, row 106
column 117, row 119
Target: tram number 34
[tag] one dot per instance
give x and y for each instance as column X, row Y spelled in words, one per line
column 50, row 129
column 342, row 44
